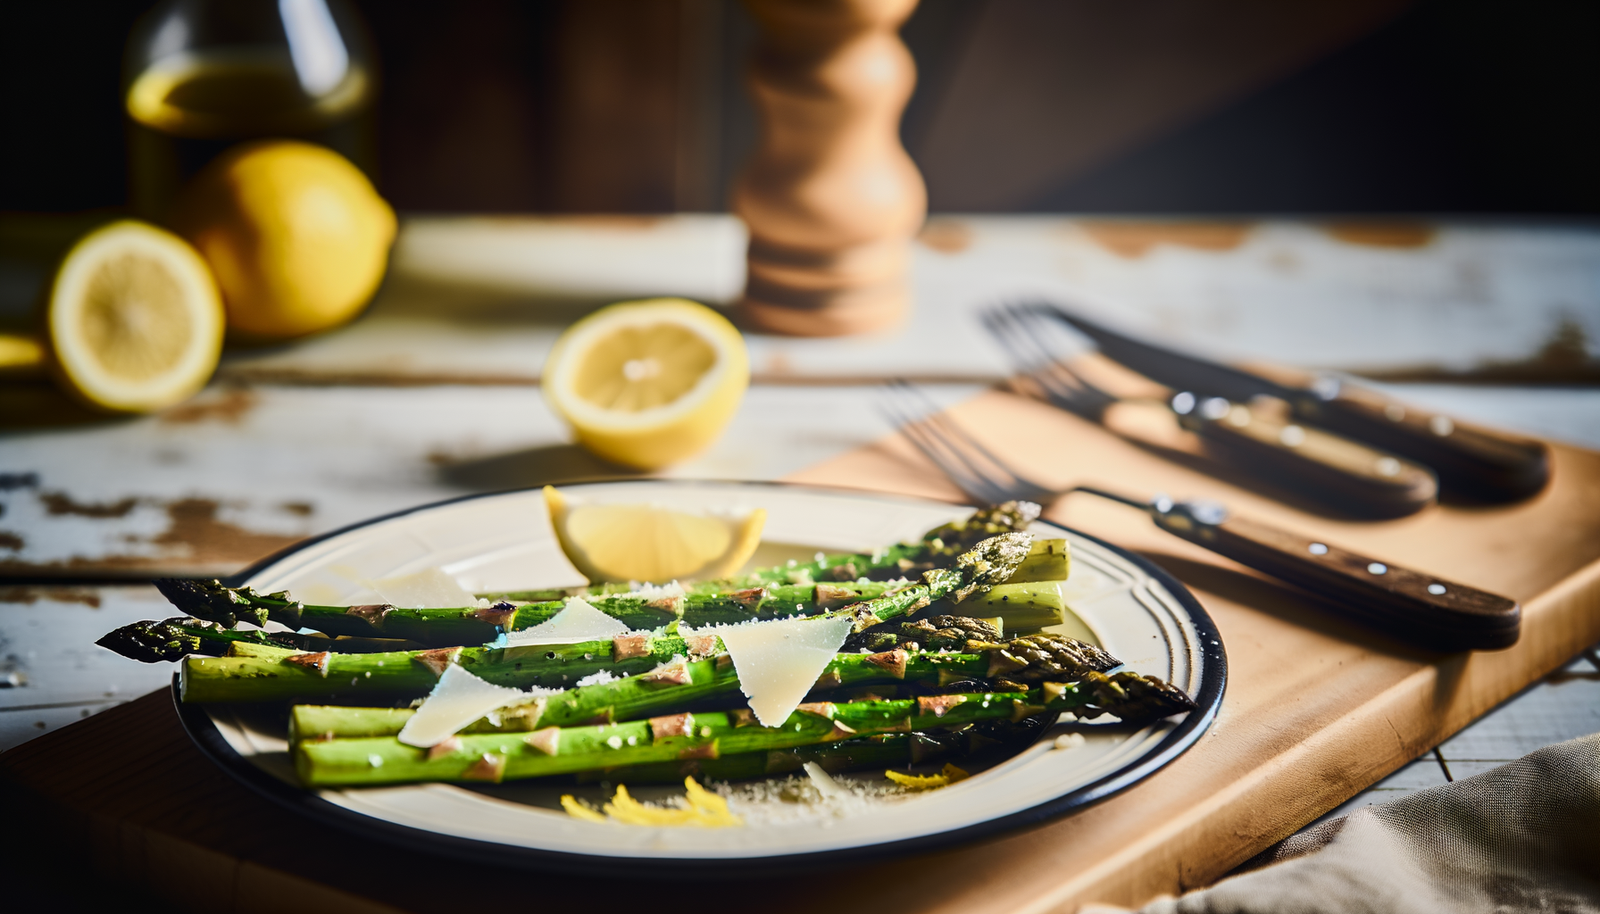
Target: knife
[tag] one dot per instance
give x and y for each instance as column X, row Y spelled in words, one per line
column 1257, row 439
column 1471, row 461
column 1417, row 607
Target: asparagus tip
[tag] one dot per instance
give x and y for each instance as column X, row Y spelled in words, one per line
column 209, row 600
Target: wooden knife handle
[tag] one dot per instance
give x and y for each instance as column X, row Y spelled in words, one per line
column 1477, row 462
column 1353, row 476
column 1472, row 461
column 1423, row 609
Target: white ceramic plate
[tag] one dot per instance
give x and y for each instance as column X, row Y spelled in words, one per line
column 504, row 542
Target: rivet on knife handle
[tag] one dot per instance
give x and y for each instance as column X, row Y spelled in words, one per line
column 1425, row 610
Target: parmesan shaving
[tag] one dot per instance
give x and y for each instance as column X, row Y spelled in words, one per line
column 1069, row 741
column 823, row 781
column 577, row 621
column 457, row 699
column 779, row 661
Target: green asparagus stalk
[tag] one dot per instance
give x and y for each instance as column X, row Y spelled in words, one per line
column 1026, row 607
column 173, row 639
column 1048, row 560
column 384, row 677
column 1036, row 658
column 566, row 750
column 321, row 676
column 431, row 627
column 1023, row 607
column 938, row 548
column 713, row 602
column 883, row 750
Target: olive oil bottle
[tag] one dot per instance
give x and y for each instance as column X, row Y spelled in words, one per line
column 202, row 75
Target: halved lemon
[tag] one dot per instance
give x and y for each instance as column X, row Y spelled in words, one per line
column 648, row 383
column 134, row 321
column 650, row 543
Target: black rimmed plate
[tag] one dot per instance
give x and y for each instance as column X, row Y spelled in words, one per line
column 503, row 542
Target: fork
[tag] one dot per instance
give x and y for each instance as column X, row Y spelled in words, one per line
column 1422, row 609
column 1312, row 462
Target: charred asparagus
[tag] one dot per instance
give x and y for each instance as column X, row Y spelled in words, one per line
column 564, row 750
column 323, row 676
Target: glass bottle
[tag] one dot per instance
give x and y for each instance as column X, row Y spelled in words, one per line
column 202, row 75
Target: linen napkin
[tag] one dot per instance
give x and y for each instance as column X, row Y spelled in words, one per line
column 1522, row 837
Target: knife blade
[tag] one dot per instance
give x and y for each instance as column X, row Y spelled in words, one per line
column 1259, row 441
column 1471, row 461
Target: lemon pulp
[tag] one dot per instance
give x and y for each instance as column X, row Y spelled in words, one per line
column 650, row 543
column 134, row 319
column 648, row 383
column 639, row 368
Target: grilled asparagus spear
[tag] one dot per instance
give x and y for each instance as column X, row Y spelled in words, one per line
column 1025, row 607
column 1036, row 658
column 772, row 592
column 564, row 750
column 323, row 676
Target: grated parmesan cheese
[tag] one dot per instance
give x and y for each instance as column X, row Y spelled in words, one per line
column 656, row 591
column 599, row 677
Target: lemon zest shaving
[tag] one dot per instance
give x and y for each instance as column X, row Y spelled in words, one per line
column 954, row 774
column 949, row 775
column 704, row 810
column 578, row 809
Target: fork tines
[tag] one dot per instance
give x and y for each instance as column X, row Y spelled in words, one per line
column 965, row 460
column 1022, row 330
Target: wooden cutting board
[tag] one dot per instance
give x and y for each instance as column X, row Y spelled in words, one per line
column 1316, row 710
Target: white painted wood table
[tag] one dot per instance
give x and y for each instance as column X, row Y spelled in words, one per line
column 434, row 394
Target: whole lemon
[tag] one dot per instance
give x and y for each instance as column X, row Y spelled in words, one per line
column 296, row 235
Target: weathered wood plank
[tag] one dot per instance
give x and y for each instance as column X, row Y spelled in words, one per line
column 482, row 300
column 239, row 473
column 53, row 672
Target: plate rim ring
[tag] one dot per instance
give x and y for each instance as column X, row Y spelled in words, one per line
column 203, row 732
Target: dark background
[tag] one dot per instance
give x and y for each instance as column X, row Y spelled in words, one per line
column 1138, row 106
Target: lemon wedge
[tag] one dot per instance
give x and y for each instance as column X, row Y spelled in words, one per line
column 134, row 321
column 634, row 542
column 648, row 383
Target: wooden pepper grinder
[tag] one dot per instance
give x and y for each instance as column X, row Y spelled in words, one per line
column 831, row 198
